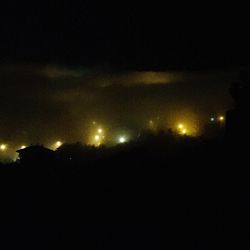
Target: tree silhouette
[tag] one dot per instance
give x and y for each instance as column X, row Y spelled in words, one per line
column 237, row 122
column 240, row 91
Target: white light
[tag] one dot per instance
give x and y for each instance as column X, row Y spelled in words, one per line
column 122, row 139
column 23, row 147
column 99, row 130
column 97, row 137
column 212, row 119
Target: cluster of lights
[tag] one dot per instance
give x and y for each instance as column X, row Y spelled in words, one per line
column 4, row 147
column 182, row 129
column 220, row 119
column 99, row 137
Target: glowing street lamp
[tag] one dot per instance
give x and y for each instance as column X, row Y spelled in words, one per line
column 180, row 126
column 3, row 147
column 122, row 139
column 97, row 137
column 151, row 125
column 221, row 118
column 184, row 131
column 212, row 119
column 99, row 131
column 23, row 147
column 58, row 144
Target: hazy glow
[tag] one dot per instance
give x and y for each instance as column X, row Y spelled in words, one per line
column 79, row 101
column 3, row 147
column 78, row 104
column 184, row 131
column 23, row 147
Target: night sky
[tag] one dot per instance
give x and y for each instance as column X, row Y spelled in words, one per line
column 125, row 34
column 64, row 64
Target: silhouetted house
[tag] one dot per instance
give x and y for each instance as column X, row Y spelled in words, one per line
column 36, row 154
column 76, row 152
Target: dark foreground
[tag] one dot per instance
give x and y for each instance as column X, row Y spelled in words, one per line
column 146, row 197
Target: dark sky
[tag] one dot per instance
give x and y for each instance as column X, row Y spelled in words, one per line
column 125, row 34
column 66, row 63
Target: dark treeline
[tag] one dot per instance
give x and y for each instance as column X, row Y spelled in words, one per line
column 160, row 191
